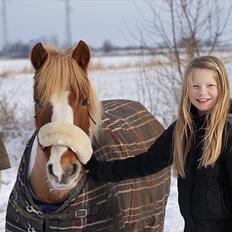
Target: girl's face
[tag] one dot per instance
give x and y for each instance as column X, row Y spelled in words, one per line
column 203, row 90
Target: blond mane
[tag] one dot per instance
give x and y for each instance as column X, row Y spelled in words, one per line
column 59, row 73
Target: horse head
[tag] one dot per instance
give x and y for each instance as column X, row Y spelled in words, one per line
column 67, row 111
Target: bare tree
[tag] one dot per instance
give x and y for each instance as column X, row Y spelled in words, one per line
column 179, row 31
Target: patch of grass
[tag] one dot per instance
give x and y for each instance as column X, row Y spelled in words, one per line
column 9, row 124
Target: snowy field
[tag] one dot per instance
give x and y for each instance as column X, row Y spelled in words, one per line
column 109, row 84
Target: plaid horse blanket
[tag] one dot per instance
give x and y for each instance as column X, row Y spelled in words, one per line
column 132, row 205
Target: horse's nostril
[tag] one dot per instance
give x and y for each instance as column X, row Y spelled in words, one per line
column 74, row 169
column 50, row 170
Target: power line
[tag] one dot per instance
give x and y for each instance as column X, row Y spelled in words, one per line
column 4, row 23
column 68, row 37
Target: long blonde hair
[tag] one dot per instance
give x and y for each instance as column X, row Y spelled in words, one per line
column 184, row 131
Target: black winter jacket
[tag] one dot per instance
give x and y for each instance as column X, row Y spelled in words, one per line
column 205, row 194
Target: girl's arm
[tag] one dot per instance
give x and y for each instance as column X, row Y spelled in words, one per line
column 158, row 156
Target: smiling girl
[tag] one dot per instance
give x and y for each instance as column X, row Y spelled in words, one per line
column 198, row 145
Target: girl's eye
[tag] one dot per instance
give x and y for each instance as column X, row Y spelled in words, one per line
column 195, row 86
column 211, row 85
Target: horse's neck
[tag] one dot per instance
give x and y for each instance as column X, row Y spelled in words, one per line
column 37, row 177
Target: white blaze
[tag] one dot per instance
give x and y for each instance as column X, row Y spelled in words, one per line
column 62, row 112
column 56, row 153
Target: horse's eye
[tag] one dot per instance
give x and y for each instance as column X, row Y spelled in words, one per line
column 85, row 102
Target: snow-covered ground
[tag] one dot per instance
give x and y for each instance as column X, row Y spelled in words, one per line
column 109, row 84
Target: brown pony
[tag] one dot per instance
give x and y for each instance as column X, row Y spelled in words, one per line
column 53, row 192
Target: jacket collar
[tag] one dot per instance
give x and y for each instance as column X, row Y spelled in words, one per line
column 199, row 121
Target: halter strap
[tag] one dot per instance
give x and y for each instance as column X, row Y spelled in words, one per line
column 85, row 102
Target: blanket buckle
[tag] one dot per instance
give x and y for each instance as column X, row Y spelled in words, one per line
column 80, row 213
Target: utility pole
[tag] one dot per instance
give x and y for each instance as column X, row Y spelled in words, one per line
column 68, row 37
column 4, row 23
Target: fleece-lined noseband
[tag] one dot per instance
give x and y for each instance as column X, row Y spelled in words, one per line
column 69, row 135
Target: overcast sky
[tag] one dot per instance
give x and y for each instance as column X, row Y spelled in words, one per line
column 91, row 20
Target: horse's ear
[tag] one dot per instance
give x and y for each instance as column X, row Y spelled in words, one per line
column 38, row 56
column 82, row 55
